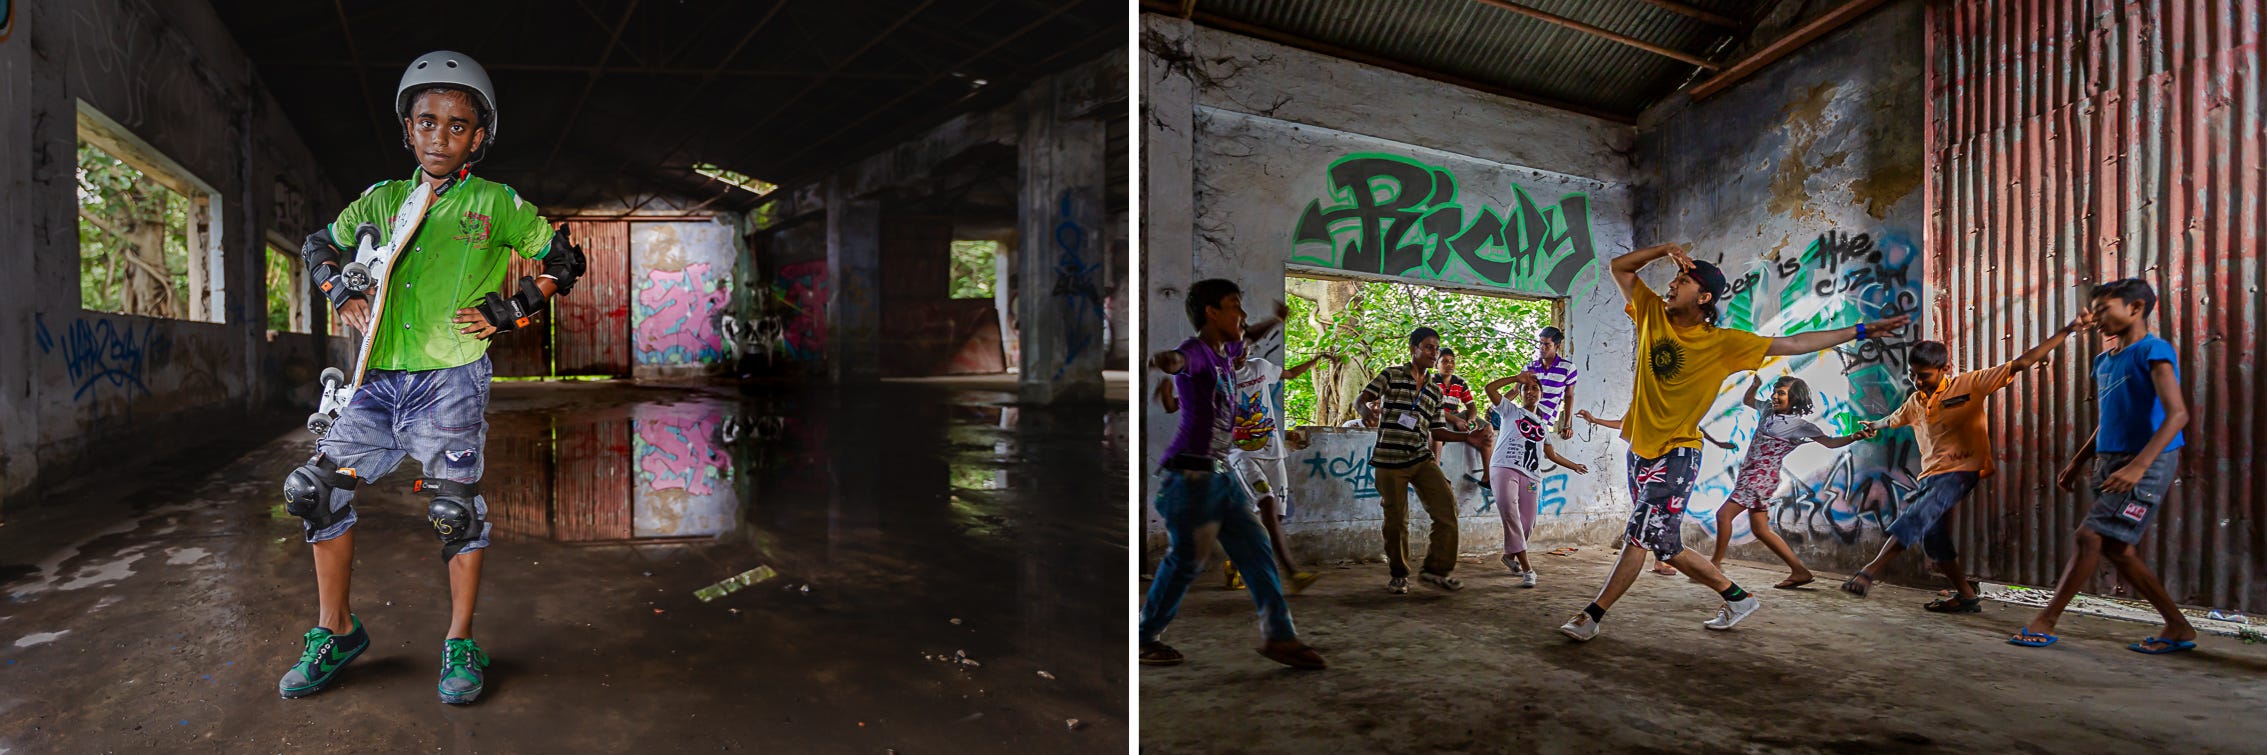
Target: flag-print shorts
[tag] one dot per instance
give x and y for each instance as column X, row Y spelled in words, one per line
column 1660, row 488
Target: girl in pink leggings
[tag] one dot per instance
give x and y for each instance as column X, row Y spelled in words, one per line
column 1513, row 469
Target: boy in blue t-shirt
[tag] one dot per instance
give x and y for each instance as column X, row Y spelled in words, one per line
column 2135, row 459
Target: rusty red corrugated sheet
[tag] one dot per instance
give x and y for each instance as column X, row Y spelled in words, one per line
column 2076, row 142
column 594, row 479
column 517, row 483
column 593, row 334
column 525, row 352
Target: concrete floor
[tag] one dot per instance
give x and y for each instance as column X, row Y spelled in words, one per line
column 154, row 609
column 1485, row 670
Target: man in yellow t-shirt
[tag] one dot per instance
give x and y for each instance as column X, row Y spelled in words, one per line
column 1946, row 413
column 1682, row 361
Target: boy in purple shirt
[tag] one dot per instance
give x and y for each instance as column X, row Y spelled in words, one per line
column 1556, row 374
column 1195, row 495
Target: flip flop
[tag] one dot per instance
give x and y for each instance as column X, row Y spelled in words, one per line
column 1854, row 587
column 2170, row 646
column 2027, row 639
column 1790, row 583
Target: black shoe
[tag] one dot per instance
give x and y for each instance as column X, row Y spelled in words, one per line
column 1955, row 604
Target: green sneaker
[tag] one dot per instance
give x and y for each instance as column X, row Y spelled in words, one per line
column 461, row 664
column 320, row 661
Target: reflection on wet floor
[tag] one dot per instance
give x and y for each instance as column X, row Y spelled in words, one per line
column 898, row 567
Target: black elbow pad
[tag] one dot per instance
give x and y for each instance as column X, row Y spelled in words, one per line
column 564, row 263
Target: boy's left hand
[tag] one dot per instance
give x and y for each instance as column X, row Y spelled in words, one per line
column 2124, row 480
column 476, row 325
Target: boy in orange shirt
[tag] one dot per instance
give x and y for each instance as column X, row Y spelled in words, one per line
column 1946, row 413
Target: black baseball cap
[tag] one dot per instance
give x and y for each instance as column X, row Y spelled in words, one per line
column 1711, row 280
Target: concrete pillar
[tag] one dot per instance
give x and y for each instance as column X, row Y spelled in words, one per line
column 19, row 399
column 1060, row 241
column 1167, row 119
column 854, row 308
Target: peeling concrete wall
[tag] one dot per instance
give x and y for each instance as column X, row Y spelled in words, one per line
column 82, row 385
column 1804, row 182
column 1264, row 160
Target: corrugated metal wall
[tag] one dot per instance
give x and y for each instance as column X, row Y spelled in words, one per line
column 593, row 335
column 2076, row 142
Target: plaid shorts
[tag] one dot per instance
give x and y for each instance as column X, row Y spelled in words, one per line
column 1660, row 488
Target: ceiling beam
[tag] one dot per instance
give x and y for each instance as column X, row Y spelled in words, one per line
column 1594, row 31
column 688, row 100
column 613, row 36
column 1795, row 40
column 838, row 130
column 1688, row 11
column 353, row 55
column 758, row 73
column 1324, row 48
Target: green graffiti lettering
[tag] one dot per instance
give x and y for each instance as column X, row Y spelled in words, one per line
column 1391, row 215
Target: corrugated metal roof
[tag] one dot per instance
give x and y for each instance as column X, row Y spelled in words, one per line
column 1483, row 43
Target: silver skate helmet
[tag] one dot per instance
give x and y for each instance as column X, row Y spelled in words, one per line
column 453, row 70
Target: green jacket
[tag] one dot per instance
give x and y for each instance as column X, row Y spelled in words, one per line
column 458, row 255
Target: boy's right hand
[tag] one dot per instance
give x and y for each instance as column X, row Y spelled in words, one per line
column 2068, row 480
column 1585, row 415
column 355, row 313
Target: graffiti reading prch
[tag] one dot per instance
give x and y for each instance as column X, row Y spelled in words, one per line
column 1391, row 215
column 1074, row 282
column 1352, row 469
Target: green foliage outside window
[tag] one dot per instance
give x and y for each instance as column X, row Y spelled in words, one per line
column 973, row 272
column 1493, row 337
column 133, row 239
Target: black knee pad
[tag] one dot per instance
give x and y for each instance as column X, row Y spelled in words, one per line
column 454, row 518
column 307, row 491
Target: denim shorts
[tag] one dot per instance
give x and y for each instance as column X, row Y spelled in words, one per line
column 1926, row 522
column 438, row 417
column 2124, row 516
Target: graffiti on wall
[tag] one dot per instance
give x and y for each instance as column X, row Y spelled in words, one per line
column 1391, row 215
column 674, row 322
column 100, row 356
column 682, row 275
column 1351, row 469
column 794, row 325
column 1837, row 281
column 1084, row 322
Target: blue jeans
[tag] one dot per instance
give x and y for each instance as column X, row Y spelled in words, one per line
column 439, row 417
column 1927, row 522
column 1191, row 502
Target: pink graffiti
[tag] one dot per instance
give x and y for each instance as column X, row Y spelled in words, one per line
column 805, row 287
column 676, row 316
column 674, row 451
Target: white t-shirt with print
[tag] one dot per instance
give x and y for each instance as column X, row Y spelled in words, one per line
column 1257, row 418
column 1519, row 445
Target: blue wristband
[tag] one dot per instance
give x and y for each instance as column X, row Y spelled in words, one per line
column 1861, row 331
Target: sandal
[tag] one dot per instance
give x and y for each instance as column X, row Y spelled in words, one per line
column 1160, row 654
column 1855, row 587
column 2170, row 646
column 1955, row 604
column 2025, row 638
column 1442, row 581
column 1295, row 654
column 1792, row 583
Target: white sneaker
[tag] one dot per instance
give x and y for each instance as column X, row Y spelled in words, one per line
column 1581, row 628
column 1527, row 578
column 1733, row 612
column 1512, row 564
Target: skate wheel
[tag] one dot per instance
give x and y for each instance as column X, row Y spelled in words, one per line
column 319, row 424
column 332, row 377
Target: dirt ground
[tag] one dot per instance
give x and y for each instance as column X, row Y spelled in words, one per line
column 1485, row 670
column 154, row 610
